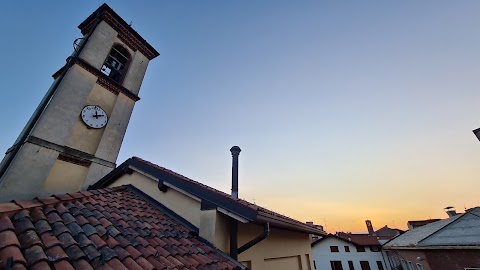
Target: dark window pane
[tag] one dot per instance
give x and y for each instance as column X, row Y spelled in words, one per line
column 380, row 265
column 360, row 249
column 350, row 265
column 347, row 249
column 334, row 248
column 365, row 265
column 336, row 265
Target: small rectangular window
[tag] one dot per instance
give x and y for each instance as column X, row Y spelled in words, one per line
column 365, row 265
column 350, row 265
column 336, row 265
column 360, row 249
column 347, row 249
column 374, row 249
column 333, row 248
column 380, row 265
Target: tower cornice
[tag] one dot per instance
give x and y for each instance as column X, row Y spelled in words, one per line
column 102, row 80
column 125, row 32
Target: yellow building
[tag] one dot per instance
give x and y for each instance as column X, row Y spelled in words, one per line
column 266, row 240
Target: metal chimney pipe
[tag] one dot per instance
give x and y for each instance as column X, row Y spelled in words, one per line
column 235, row 153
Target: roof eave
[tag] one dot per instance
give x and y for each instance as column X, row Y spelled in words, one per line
column 287, row 224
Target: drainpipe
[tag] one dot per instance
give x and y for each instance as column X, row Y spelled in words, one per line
column 233, row 222
column 258, row 239
column 12, row 152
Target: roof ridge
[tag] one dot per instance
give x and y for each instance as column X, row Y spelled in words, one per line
column 13, row 206
column 261, row 208
column 191, row 180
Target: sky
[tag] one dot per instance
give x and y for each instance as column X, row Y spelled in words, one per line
column 344, row 111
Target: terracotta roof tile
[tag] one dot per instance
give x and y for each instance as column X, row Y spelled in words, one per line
column 131, row 264
column 29, row 239
column 41, row 265
column 56, row 253
column 47, row 200
column 8, row 238
column 28, row 204
column 6, row 224
column 9, row 207
column 64, row 265
column 103, row 229
column 34, row 255
column 49, row 240
column 11, row 251
column 82, row 264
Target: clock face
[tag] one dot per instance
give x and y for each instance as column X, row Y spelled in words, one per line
column 94, row 117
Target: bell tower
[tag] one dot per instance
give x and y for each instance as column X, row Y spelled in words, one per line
column 74, row 136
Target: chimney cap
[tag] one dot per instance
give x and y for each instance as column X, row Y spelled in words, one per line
column 235, row 150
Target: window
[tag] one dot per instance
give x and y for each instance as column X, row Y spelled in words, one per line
column 360, row 249
column 333, row 248
column 419, row 266
column 374, row 249
column 350, row 265
column 347, row 249
column 365, row 265
column 380, row 265
column 336, row 265
column 116, row 63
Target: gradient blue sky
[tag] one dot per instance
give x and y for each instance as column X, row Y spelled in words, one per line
column 344, row 110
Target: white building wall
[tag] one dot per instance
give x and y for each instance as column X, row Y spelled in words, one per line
column 322, row 255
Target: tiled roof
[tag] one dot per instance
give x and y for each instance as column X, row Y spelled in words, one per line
column 419, row 223
column 360, row 239
column 112, row 228
column 460, row 230
column 239, row 206
column 387, row 233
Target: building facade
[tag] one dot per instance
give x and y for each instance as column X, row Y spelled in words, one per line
column 452, row 243
column 332, row 252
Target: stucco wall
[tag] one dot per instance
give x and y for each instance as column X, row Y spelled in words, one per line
column 282, row 249
column 181, row 204
column 322, row 255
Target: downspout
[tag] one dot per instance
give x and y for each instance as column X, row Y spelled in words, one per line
column 258, row 239
column 235, row 150
column 12, row 152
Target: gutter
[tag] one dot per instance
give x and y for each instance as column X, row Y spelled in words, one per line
column 13, row 151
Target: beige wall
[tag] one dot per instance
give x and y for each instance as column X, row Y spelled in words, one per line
column 184, row 206
column 280, row 250
column 64, row 176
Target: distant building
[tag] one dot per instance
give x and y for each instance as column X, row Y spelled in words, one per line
column 352, row 251
column 447, row 244
column 355, row 252
column 412, row 224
